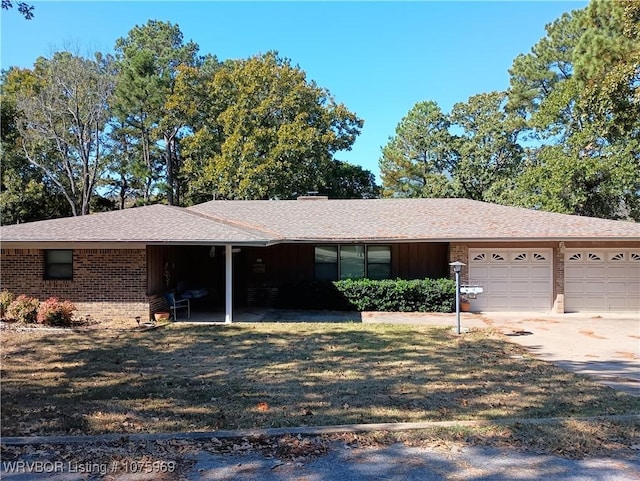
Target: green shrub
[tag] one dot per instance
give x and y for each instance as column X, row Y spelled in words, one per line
column 6, row 298
column 56, row 313
column 399, row 295
column 395, row 295
column 24, row 309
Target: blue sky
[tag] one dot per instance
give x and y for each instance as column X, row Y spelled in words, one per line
column 378, row 58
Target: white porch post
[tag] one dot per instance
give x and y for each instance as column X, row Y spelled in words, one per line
column 228, row 311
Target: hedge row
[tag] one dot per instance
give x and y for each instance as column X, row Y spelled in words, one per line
column 399, row 295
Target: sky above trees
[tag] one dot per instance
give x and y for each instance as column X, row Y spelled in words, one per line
column 378, row 58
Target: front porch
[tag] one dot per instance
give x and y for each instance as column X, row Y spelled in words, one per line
column 238, row 279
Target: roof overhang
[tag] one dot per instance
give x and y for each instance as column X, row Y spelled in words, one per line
column 266, row 243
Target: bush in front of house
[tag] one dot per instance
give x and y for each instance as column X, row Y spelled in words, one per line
column 23, row 309
column 392, row 295
column 399, row 295
column 54, row 312
column 6, row 298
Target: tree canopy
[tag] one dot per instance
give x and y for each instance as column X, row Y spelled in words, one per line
column 267, row 133
column 157, row 122
column 25, row 9
column 564, row 136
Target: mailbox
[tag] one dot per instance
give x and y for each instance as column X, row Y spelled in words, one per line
column 471, row 290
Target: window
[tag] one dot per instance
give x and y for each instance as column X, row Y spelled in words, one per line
column 326, row 260
column 58, row 264
column 379, row 262
column 352, row 262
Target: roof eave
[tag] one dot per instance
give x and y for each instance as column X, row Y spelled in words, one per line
column 46, row 244
column 405, row 240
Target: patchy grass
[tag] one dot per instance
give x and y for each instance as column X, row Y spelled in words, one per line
column 201, row 378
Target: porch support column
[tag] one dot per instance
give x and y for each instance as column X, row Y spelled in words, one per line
column 228, row 264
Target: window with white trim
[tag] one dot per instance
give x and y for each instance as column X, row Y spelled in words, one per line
column 333, row 262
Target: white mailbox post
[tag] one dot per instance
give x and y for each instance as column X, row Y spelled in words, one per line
column 457, row 266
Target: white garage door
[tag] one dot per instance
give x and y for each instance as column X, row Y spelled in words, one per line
column 512, row 279
column 602, row 280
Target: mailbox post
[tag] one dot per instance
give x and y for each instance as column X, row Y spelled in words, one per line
column 457, row 266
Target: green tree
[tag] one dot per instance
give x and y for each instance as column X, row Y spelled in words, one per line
column 489, row 153
column 25, row 193
column 24, row 8
column 62, row 114
column 418, row 160
column 585, row 156
column 136, row 107
column 607, row 67
column 347, row 181
column 267, row 132
column 149, row 58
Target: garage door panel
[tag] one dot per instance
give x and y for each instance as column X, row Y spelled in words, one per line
column 497, row 288
column 540, row 272
column 519, row 287
column 632, row 290
column 481, row 272
column 576, row 288
column 498, row 272
column 615, row 287
column 520, row 272
column 574, row 271
column 621, row 272
column 603, row 280
column 539, row 288
column 593, row 288
column 512, row 279
column 594, row 272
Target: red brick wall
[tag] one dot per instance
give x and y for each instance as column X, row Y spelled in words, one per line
column 459, row 253
column 106, row 284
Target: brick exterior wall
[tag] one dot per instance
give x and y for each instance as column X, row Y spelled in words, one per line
column 106, row 284
column 460, row 253
column 558, row 277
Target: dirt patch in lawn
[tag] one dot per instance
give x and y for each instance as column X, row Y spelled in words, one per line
column 204, row 378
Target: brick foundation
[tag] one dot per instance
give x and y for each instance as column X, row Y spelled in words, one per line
column 106, row 284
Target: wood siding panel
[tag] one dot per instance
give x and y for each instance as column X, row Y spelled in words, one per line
column 419, row 260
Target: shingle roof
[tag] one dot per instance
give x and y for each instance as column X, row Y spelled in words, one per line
column 149, row 224
column 412, row 219
column 372, row 220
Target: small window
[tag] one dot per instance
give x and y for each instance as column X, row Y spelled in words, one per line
column 58, row 264
column 379, row 262
column 326, row 263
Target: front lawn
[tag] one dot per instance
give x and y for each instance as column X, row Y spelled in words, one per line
column 201, row 378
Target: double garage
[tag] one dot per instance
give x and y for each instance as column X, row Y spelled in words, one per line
column 523, row 279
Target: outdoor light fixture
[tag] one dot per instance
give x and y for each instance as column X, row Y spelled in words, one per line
column 457, row 267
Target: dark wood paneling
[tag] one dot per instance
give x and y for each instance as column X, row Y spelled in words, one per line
column 278, row 264
column 419, row 260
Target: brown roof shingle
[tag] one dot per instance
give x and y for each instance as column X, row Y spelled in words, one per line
column 149, row 224
column 372, row 220
column 412, row 219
